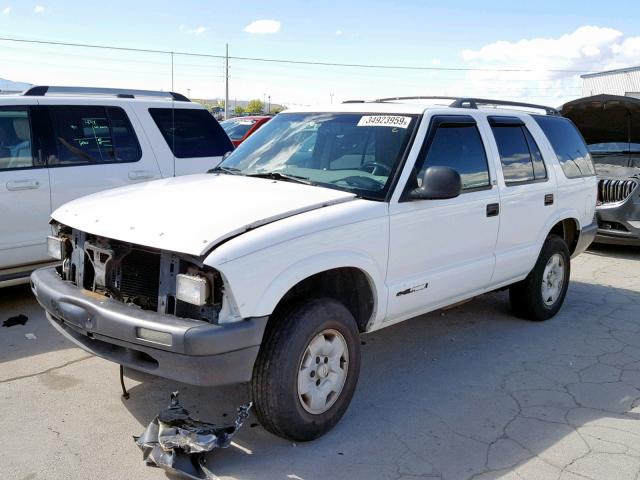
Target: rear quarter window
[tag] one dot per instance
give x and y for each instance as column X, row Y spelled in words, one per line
column 191, row 133
column 568, row 144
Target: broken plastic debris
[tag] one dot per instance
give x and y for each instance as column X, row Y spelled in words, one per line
column 30, row 336
column 178, row 443
column 17, row 320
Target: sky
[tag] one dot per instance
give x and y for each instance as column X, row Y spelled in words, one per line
column 552, row 41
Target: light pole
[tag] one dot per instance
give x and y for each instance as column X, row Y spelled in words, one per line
column 331, row 96
column 189, row 93
column 264, row 101
column 269, row 111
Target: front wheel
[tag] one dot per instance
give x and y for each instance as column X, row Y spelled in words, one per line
column 540, row 295
column 307, row 369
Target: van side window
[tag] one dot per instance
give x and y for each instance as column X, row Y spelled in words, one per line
column 191, row 133
column 455, row 142
column 568, row 144
column 519, row 154
column 15, row 138
column 92, row 135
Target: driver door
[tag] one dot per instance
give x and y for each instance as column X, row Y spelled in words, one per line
column 442, row 251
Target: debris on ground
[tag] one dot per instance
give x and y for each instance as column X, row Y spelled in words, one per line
column 17, row 320
column 30, row 336
column 178, row 443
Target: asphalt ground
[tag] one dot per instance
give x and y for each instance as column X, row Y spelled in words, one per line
column 469, row 392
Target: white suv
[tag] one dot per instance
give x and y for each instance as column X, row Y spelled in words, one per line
column 59, row 143
column 327, row 223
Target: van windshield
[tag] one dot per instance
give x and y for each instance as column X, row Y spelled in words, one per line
column 358, row 153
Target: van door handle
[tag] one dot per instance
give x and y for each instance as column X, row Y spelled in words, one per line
column 140, row 174
column 23, row 185
column 493, row 209
column 548, row 199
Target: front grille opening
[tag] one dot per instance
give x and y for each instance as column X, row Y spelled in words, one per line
column 614, row 191
column 137, row 278
column 613, row 226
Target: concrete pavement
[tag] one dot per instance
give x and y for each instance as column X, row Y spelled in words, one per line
column 466, row 393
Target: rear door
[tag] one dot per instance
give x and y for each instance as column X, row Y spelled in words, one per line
column 24, row 189
column 194, row 138
column 528, row 195
column 93, row 148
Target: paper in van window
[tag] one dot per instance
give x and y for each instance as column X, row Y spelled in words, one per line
column 384, row 121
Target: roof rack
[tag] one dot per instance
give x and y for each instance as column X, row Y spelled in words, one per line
column 42, row 90
column 469, row 102
column 353, row 101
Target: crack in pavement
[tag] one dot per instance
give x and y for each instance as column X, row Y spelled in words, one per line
column 48, row 370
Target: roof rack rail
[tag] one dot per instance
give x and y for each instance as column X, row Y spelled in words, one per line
column 470, row 102
column 42, row 90
column 353, row 101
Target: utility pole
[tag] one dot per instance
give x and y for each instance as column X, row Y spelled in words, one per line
column 331, row 97
column 269, row 104
column 189, row 93
column 226, row 83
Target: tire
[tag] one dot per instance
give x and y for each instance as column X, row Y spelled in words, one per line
column 287, row 359
column 529, row 298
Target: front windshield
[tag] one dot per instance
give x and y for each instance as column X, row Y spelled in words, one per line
column 347, row 151
column 237, row 129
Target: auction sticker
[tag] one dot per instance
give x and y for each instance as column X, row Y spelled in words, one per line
column 384, row 121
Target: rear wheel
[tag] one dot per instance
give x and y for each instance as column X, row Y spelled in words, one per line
column 540, row 295
column 307, row 369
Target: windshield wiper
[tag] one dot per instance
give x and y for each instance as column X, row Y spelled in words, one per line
column 282, row 176
column 229, row 170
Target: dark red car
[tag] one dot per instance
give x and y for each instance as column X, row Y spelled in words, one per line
column 240, row 128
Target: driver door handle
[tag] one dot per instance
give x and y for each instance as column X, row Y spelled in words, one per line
column 23, row 185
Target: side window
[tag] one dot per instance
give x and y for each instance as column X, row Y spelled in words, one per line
column 519, row 154
column 92, row 135
column 569, row 146
column 455, row 142
column 191, row 133
column 15, row 138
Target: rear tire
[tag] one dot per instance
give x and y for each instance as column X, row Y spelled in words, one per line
column 307, row 369
column 541, row 295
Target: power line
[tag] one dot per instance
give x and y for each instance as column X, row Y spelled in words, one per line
column 295, row 62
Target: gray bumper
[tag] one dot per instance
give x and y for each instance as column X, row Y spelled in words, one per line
column 587, row 235
column 613, row 222
column 189, row 351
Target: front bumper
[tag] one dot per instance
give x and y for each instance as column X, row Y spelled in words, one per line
column 189, row 351
column 613, row 222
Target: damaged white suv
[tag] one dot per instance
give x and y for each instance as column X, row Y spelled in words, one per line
column 327, row 223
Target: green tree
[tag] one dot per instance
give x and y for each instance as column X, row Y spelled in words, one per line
column 277, row 109
column 254, row 106
column 238, row 110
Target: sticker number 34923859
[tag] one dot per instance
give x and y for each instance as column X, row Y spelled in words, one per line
column 384, row 121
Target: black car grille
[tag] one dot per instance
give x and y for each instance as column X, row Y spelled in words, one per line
column 614, row 191
column 138, row 276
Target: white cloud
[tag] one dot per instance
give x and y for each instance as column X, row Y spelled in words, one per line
column 193, row 31
column 552, row 65
column 6, row 11
column 38, row 9
column 338, row 32
column 263, row 26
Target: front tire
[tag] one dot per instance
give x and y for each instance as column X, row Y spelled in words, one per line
column 541, row 295
column 307, row 369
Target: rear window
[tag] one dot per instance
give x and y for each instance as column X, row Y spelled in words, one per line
column 191, row 133
column 569, row 146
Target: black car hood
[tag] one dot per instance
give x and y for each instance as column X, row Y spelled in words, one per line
column 605, row 118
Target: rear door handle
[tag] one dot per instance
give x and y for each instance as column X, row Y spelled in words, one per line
column 493, row 209
column 23, row 185
column 548, row 199
column 140, row 174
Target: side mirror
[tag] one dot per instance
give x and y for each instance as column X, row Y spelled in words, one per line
column 438, row 183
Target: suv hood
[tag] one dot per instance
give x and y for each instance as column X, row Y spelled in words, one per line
column 192, row 214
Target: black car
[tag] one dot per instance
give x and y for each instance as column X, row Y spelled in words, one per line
column 610, row 125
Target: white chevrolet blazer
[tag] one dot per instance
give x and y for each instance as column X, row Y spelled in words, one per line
column 60, row 143
column 327, row 223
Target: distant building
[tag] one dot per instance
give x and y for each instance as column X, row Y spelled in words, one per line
column 623, row 82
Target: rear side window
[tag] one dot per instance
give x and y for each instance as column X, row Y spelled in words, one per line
column 569, row 146
column 92, row 135
column 15, row 138
column 191, row 133
column 519, row 154
column 456, row 143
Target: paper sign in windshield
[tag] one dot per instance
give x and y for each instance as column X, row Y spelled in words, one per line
column 384, row 121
